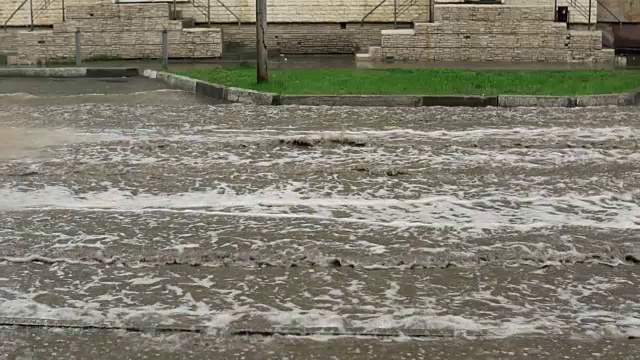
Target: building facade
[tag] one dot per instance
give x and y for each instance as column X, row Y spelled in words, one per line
column 385, row 29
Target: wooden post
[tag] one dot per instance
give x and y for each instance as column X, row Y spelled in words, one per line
column 78, row 48
column 261, row 42
column 432, row 11
column 165, row 49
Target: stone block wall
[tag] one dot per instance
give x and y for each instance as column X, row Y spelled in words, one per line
column 49, row 12
column 310, row 11
column 125, row 31
column 8, row 42
column 492, row 33
column 283, row 11
column 305, row 38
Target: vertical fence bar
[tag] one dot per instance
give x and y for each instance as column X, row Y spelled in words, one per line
column 78, row 48
column 209, row 12
column 555, row 10
column 395, row 14
column 63, row 18
column 589, row 14
column 165, row 49
column 432, row 11
column 31, row 13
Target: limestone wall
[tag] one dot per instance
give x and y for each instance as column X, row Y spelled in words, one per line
column 48, row 12
column 313, row 11
column 287, row 11
column 127, row 31
column 305, row 38
column 493, row 33
column 8, row 42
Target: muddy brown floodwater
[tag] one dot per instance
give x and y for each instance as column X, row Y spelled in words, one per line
column 142, row 222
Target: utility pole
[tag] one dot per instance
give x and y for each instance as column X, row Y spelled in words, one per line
column 261, row 42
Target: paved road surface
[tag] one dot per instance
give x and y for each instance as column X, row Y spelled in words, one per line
column 137, row 221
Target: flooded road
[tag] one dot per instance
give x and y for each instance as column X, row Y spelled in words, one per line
column 140, row 221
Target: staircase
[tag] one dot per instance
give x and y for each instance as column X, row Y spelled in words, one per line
column 400, row 8
column 581, row 13
column 35, row 9
column 204, row 8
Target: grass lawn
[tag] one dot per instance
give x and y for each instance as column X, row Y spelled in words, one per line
column 427, row 81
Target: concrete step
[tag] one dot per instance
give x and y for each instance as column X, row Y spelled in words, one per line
column 503, row 14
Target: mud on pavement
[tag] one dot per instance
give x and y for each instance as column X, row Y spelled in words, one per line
column 134, row 215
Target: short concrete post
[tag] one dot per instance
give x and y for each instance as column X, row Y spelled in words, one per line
column 165, row 49
column 78, row 48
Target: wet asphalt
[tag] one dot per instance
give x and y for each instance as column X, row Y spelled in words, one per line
column 142, row 222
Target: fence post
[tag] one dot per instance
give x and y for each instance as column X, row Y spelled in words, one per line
column 78, row 48
column 63, row 19
column 555, row 10
column 209, row 13
column 165, row 49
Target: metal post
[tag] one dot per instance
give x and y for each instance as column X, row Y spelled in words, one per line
column 31, row 13
column 589, row 14
column 555, row 10
column 78, row 48
column 165, row 49
column 395, row 13
column 63, row 19
column 261, row 42
column 432, row 11
column 209, row 12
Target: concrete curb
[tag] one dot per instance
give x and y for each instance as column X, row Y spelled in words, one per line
column 512, row 101
column 112, row 72
column 44, row 72
column 73, row 72
column 352, row 100
column 176, row 81
column 462, row 101
column 247, row 96
column 628, row 99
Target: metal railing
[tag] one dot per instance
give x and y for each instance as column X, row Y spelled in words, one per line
column 398, row 10
column 577, row 5
column 33, row 12
column 205, row 9
column 16, row 11
column 371, row 12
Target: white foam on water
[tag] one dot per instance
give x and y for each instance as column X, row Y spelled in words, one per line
column 606, row 210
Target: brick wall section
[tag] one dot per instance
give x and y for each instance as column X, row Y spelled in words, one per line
column 305, row 38
column 127, row 32
column 492, row 33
